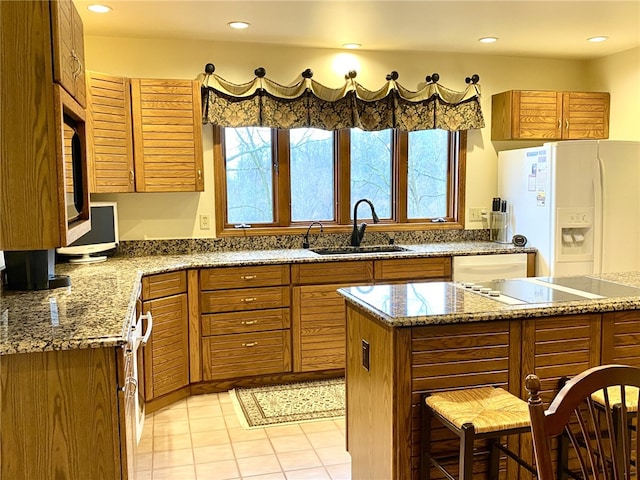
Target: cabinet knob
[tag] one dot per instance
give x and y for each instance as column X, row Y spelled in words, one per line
column 250, row 344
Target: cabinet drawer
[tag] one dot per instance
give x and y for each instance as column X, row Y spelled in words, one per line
column 332, row 272
column 245, row 322
column 241, row 299
column 227, row 356
column 164, row 285
column 240, row 277
column 413, row 268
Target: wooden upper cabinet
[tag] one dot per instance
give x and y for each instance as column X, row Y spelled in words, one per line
column 110, row 133
column 68, row 49
column 548, row 115
column 167, row 133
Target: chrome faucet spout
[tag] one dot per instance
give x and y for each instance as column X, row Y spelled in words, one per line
column 358, row 232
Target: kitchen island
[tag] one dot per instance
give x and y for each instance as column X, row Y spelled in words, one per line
column 406, row 340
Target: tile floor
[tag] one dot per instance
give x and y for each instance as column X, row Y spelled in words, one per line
column 200, row 438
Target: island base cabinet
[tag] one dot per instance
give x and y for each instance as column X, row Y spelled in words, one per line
column 59, row 416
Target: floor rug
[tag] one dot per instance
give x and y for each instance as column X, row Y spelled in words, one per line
column 295, row 402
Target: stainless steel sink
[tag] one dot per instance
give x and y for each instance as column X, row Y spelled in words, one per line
column 360, row 249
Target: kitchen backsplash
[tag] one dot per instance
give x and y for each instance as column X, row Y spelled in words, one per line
column 137, row 248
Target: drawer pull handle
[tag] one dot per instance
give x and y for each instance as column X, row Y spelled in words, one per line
column 249, row 322
column 250, row 344
column 248, row 277
column 249, row 299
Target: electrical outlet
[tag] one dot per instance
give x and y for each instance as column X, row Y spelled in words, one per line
column 205, row 222
column 475, row 214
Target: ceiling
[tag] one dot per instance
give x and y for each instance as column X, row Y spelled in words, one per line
column 555, row 29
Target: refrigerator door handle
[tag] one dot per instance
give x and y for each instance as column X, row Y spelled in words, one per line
column 599, row 203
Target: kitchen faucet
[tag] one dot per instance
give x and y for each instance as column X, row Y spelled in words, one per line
column 358, row 233
column 305, row 241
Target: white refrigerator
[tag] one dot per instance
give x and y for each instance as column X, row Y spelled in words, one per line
column 577, row 202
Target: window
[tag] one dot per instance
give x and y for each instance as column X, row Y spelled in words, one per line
column 277, row 181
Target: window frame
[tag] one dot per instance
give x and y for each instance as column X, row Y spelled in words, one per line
column 283, row 225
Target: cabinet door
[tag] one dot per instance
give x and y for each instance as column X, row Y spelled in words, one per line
column 319, row 339
column 68, row 49
column 621, row 337
column 166, row 355
column 167, row 133
column 110, row 134
column 585, row 115
column 537, row 114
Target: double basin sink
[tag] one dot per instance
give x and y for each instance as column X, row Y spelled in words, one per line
column 348, row 250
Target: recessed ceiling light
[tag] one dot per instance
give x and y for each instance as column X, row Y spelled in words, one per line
column 597, row 39
column 488, row 39
column 351, row 46
column 99, row 8
column 239, row 25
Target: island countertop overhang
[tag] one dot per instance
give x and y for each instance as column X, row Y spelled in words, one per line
column 434, row 303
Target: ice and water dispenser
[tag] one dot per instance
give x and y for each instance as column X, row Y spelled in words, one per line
column 574, row 236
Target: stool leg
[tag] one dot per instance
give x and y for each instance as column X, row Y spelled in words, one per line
column 466, row 452
column 425, row 443
column 563, row 456
column 494, row 459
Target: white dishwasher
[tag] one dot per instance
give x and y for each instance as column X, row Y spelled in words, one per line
column 476, row 268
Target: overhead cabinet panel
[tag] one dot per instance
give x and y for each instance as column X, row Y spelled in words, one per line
column 549, row 115
column 167, row 132
column 111, row 142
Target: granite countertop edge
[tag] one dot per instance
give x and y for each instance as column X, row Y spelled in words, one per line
column 94, row 311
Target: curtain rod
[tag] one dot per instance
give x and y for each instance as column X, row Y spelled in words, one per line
column 261, row 72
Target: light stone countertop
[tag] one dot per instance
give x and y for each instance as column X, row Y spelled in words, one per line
column 433, row 303
column 94, row 311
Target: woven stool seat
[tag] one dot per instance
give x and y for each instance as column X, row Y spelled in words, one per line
column 485, row 414
column 489, row 409
column 615, row 397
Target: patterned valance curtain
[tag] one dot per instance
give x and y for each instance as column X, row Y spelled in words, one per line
column 307, row 103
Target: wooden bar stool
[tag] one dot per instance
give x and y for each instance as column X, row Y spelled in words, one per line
column 474, row 414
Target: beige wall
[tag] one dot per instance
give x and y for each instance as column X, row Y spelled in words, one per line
column 620, row 75
column 171, row 215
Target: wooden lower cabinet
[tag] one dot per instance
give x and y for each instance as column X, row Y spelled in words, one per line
column 621, row 337
column 166, row 355
column 62, row 416
column 318, row 328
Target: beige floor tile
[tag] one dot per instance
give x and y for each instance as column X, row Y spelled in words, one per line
column 252, row 448
column 290, row 443
column 268, row 476
column 170, row 428
column 326, row 439
column 204, row 411
column 324, row 426
column 207, row 424
column 203, row 399
column 145, row 475
column 308, row 474
column 227, row 408
column 298, row 460
column 144, row 461
column 172, row 442
column 339, row 472
column 232, row 421
column 186, row 472
column 213, row 453
column 172, row 415
column 333, row 455
column 208, row 438
column 222, row 470
column 146, row 444
column 258, row 465
column 172, row 458
column 283, row 430
column 242, row 435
